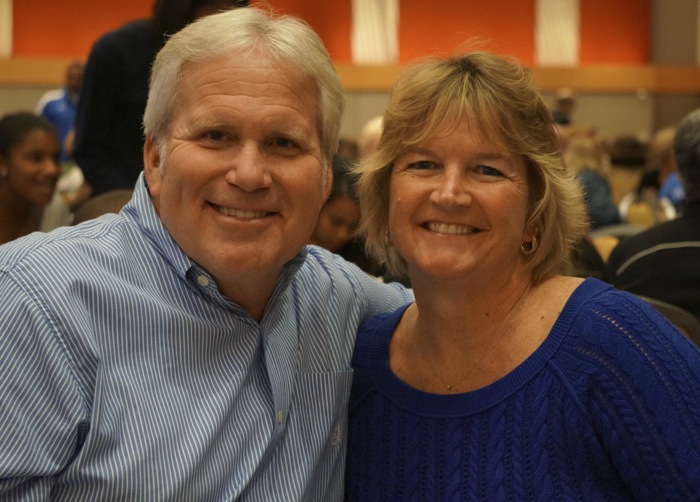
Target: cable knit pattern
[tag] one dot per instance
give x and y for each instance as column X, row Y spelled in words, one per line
column 607, row 408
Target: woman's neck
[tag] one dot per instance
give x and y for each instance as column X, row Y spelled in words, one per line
column 461, row 337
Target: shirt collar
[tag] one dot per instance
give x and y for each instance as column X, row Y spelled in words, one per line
column 141, row 211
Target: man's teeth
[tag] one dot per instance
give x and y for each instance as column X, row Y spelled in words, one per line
column 443, row 228
column 238, row 213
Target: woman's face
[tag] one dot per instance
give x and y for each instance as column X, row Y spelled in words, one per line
column 458, row 207
column 32, row 169
column 337, row 223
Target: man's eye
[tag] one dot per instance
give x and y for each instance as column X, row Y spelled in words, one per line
column 214, row 136
column 282, row 142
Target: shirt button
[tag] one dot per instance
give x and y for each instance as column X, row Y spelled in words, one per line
column 280, row 416
column 203, row 281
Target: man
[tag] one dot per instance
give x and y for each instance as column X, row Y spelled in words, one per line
column 59, row 107
column 661, row 262
column 191, row 347
column 109, row 138
column 564, row 106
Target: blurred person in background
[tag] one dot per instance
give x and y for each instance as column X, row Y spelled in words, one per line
column 29, row 171
column 339, row 218
column 109, row 136
column 59, row 107
column 564, row 106
column 662, row 261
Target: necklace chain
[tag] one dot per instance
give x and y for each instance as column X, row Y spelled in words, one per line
column 514, row 311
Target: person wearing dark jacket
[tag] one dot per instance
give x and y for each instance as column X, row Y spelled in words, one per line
column 109, row 137
column 661, row 262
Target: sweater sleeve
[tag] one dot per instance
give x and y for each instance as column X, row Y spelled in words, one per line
column 639, row 383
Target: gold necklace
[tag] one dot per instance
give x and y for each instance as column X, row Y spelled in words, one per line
column 513, row 312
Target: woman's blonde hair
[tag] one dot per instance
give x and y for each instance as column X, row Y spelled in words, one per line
column 500, row 101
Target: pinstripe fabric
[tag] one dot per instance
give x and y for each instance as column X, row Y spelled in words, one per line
column 125, row 375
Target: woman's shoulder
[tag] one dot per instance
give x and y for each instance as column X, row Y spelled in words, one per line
column 612, row 332
column 374, row 335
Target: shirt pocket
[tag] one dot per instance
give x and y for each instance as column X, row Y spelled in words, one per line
column 319, row 412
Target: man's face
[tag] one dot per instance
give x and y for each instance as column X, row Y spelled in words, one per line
column 240, row 188
column 74, row 78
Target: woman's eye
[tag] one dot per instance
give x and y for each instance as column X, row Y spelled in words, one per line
column 37, row 157
column 421, row 165
column 489, row 171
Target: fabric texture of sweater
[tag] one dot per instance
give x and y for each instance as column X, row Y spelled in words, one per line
column 607, row 408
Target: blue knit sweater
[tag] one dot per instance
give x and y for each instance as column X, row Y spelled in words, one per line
column 607, row 408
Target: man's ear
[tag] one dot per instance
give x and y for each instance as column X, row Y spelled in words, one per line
column 329, row 183
column 151, row 166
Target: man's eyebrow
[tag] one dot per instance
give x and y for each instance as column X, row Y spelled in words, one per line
column 208, row 122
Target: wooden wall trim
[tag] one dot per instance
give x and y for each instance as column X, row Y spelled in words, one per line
column 593, row 79
column 19, row 72
column 25, row 72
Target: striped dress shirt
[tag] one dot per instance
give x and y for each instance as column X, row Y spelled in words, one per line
column 126, row 375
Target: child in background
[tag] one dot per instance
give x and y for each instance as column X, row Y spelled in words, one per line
column 29, row 170
column 340, row 216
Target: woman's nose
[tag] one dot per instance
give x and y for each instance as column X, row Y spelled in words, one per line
column 452, row 189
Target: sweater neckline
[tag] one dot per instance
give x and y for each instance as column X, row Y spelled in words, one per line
column 454, row 405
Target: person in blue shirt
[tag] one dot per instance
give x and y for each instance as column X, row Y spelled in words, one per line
column 192, row 347
column 59, row 107
column 505, row 380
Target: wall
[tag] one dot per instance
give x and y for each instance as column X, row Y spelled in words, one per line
column 612, row 32
column 620, row 36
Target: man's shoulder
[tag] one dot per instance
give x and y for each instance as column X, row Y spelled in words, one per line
column 320, row 262
column 49, row 98
column 49, row 252
column 674, row 231
column 323, row 267
column 655, row 251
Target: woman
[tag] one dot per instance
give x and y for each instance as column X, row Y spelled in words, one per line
column 504, row 380
column 29, row 170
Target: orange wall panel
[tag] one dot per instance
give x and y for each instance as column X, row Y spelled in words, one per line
column 67, row 29
column 428, row 28
column 332, row 20
column 614, row 32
